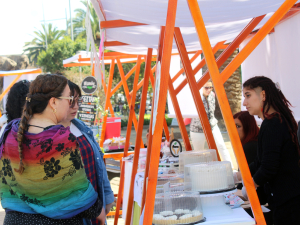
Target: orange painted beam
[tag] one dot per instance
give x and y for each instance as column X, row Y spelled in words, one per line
column 139, row 135
column 225, row 109
column 231, row 48
column 14, row 73
column 195, row 92
column 126, row 78
column 156, row 141
column 76, row 64
column 9, row 86
column 131, row 104
column 120, row 192
column 107, row 100
column 149, row 147
column 118, row 24
column 258, row 37
column 197, row 68
column 109, row 103
column 113, row 43
column 129, row 98
column 182, row 70
column 179, row 117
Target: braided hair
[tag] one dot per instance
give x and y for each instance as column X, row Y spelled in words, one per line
column 276, row 99
column 41, row 90
column 16, row 99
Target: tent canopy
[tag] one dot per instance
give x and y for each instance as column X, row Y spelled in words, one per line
column 224, row 20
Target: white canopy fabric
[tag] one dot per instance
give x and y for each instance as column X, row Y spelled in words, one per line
column 154, row 12
column 277, row 57
column 224, row 20
column 84, row 54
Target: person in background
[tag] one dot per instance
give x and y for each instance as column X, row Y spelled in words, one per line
column 90, row 151
column 248, row 131
column 196, row 131
column 276, row 166
column 43, row 180
column 15, row 102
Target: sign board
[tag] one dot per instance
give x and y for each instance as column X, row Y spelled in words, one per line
column 156, row 97
column 89, row 85
column 87, row 109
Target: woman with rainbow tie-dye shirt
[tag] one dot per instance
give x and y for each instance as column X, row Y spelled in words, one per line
column 42, row 177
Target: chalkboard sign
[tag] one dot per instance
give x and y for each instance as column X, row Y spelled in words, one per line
column 87, row 109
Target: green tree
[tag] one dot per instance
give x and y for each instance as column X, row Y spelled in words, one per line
column 79, row 22
column 38, row 44
column 52, row 59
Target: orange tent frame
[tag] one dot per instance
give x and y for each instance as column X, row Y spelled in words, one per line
column 14, row 73
column 164, row 56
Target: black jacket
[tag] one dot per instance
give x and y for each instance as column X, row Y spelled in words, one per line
column 276, row 165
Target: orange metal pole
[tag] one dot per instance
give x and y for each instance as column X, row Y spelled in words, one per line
column 107, row 100
column 150, row 136
column 182, row 70
column 139, row 135
column 258, row 37
column 9, row 86
column 120, row 191
column 179, row 117
column 195, row 92
column 131, row 105
column 129, row 100
column 14, row 73
column 197, row 68
column 155, row 152
column 107, row 96
column 225, row 108
column 120, row 83
column 166, row 129
column 231, row 48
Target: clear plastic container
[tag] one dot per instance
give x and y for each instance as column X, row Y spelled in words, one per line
column 209, row 177
column 190, row 157
column 177, row 208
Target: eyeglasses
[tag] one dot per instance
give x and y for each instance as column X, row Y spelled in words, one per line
column 71, row 98
column 207, row 88
column 77, row 100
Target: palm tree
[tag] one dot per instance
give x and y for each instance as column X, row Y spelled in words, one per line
column 79, row 22
column 38, row 44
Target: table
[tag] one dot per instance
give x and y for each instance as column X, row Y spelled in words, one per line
column 238, row 216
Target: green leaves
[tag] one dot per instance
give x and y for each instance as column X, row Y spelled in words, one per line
column 52, row 59
column 38, row 43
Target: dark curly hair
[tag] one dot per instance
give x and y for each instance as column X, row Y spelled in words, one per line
column 41, row 90
column 16, row 99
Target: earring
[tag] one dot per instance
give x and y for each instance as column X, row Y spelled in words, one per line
column 54, row 110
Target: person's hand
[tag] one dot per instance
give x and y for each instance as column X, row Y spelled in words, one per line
column 237, row 176
column 108, row 208
column 102, row 217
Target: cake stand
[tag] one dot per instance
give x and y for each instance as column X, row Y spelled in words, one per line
column 213, row 204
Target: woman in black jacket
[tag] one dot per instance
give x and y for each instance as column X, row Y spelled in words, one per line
column 276, row 166
column 248, row 132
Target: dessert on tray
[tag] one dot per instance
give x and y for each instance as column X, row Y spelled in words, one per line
column 209, row 177
column 190, row 157
column 177, row 208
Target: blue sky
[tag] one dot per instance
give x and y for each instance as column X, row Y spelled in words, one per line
column 19, row 18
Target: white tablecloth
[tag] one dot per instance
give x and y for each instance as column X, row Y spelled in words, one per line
column 237, row 217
